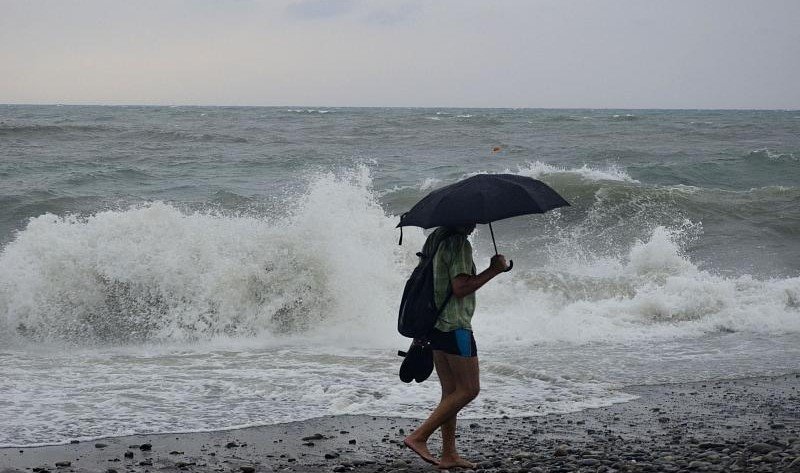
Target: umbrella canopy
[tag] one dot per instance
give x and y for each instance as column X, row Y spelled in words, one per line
column 483, row 198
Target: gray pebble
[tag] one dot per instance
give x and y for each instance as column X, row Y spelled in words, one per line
column 700, row 465
column 762, row 448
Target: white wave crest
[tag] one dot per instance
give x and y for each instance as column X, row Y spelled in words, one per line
column 153, row 272
column 766, row 153
column 333, row 271
column 652, row 292
column 307, row 110
column 537, row 169
column 429, row 183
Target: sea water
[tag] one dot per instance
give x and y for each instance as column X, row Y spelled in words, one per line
column 172, row 269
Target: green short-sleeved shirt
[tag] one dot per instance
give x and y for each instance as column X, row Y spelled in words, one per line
column 453, row 258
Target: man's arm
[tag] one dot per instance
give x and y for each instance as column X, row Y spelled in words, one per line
column 465, row 284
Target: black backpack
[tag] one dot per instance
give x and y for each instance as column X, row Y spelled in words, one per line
column 418, row 311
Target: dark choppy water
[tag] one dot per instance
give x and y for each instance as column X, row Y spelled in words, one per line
column 160, row 262
column 736, row 172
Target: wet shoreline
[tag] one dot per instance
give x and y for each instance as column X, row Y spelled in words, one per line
column 750, row 424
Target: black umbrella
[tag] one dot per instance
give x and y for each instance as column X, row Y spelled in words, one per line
column 483, row 198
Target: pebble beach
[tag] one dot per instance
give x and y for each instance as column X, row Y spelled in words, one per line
column 749, row 424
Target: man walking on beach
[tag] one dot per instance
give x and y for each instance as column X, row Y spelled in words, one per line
column 455, row 354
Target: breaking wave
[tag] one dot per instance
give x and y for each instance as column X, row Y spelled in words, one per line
column 652, row 291
column 153, row 272
column 539, row 169
column 774, row 156
column 332, row 268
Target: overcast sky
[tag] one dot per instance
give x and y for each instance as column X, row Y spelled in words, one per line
column 492, row 53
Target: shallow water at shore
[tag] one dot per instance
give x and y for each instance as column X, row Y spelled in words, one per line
column 117, row 392
column 737, row 425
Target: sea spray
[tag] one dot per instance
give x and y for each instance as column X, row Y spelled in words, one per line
column 331, row 270
column 153, row 272
column 652, row 292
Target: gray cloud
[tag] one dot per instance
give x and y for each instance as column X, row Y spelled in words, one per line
column 316, row 9
column 389, row 15
column 471, row 53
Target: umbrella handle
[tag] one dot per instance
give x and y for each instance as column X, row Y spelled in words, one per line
column 511, row 261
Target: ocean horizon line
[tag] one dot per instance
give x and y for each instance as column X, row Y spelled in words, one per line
column 392, row 107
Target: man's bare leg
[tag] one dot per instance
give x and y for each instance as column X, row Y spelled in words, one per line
column 448, row 387
column 415, row 442
column 460, row 374
column 449, row 436
column 466, row 374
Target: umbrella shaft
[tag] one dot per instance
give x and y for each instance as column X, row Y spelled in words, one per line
column 493, row 242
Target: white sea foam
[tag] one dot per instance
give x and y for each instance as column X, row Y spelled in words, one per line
column 429, row 183
column 653, row 292
column 766, row 153
column 535, row 169
column 307, row 110
column 611, row 173
column 426, row 184
column 196, row 389
column 538, row 169
column 156, row 273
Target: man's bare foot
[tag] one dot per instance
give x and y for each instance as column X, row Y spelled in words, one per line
column 457, row 462
column 421, row 449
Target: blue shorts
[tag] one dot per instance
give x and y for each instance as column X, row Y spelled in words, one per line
column 458, row 342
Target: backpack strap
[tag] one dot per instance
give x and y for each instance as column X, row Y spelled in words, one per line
column 450, row 285
column 446, row 300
